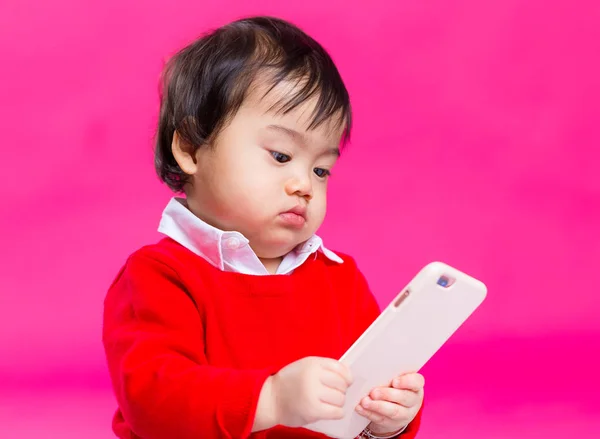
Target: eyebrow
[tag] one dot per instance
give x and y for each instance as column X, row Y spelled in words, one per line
column 300, row 138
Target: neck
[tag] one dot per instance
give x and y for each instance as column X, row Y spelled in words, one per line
column 271, row 264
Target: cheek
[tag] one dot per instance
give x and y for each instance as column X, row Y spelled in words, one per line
column 253, row 181
column 237, row 172
column 249, row 188
column 318, row 206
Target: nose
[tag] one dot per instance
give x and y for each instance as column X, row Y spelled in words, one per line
column 300, row 186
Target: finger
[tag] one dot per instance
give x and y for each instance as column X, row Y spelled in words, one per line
column 386, row 409
column 333, row 397
column 406, row 398
column 337, row 367
column 334, row 380
column 409, row 381
column 328, row 411
column 370, row 415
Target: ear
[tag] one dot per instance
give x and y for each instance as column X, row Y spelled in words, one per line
column 184, row 155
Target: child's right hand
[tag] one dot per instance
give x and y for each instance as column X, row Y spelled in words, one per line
column 306, row 391
column 309, row 390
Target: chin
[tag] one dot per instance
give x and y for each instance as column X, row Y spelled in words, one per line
column 278, row 247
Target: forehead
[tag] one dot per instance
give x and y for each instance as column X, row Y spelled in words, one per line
column 264, row 103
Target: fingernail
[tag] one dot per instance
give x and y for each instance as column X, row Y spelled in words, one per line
column 396, row 382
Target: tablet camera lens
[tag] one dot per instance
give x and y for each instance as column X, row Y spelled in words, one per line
column 444, row 281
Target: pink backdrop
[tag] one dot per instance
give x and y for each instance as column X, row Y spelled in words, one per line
column 476, row 143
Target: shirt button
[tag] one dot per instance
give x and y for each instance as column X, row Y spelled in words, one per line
column 233, row 243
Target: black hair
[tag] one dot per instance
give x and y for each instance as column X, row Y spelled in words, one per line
column 205, row 83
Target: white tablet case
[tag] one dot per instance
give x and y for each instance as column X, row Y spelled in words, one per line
column 404, row 337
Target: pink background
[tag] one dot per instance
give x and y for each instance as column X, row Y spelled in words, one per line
column 476, row 143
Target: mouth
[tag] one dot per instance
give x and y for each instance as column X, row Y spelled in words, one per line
column 298, row 210
column 294, row 217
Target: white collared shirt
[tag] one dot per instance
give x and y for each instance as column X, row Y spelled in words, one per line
column 229, row 251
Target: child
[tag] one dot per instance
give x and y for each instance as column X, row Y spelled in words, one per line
column 229, row 327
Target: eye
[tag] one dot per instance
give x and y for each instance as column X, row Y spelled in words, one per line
column 280, row 157
column 322, row 173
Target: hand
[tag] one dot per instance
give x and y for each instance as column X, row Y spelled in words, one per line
column 305, row 391
column 392, row 408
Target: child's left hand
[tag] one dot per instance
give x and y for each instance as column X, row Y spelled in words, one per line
column 392, row 408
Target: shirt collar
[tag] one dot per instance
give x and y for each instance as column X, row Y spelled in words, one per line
column 229, row 251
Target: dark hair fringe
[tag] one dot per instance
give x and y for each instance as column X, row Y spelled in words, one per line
column 205, row 83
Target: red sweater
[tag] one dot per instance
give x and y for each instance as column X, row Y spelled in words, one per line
column 189, row 346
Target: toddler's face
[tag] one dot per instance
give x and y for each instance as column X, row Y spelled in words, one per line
column 262, row 166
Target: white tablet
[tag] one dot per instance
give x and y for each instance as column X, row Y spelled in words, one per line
column 404, row 337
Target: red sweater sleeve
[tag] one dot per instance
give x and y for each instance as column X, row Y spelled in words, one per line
column 367, row 311
column 154, row 343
